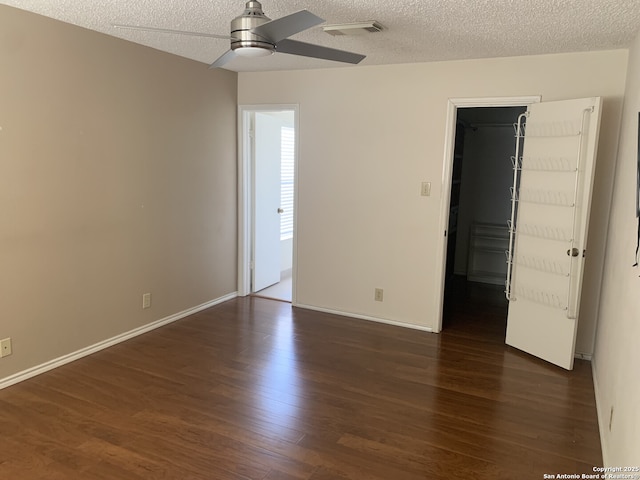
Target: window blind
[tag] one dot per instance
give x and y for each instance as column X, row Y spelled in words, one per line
column 287, row 138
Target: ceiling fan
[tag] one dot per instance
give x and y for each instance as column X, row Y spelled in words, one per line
column 253, row 34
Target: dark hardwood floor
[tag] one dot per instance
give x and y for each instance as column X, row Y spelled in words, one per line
column 253, row 389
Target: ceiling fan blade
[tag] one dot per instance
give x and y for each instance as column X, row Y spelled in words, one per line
column 224, row 59
column 281, row 28
column 166, row 30
column 316, row 51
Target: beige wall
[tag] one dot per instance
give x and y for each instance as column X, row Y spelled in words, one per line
column 117, row 177
column 617, row 356
column 370, row 135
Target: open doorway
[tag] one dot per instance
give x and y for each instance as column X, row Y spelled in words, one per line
column 267, row 170
column 480, row 205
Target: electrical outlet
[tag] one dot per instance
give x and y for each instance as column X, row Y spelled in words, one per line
column 378, row 295
column 425, row 189
column 146, row 300
column 5, row 347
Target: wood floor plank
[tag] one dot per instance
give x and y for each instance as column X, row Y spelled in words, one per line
column 253, row 389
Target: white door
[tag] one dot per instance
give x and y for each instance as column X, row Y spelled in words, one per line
column 551, row 216
column 266, row 242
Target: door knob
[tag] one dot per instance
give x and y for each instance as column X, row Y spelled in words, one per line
column 574, row 252
column 280, row 210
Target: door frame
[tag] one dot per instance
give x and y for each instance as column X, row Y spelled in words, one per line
column 246, row 192
column 447, row 172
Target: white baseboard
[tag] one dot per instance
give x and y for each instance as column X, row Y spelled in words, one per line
column 365, row 317
column 83, row 352
column 603, row 416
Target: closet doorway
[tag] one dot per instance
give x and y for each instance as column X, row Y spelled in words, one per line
column 480, row 206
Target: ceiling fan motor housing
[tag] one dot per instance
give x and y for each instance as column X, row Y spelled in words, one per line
column 241, row 36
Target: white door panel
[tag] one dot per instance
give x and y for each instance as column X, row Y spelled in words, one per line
column 551, row 219
column 267, row 157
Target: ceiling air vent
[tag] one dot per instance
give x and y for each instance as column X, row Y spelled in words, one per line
column 357, row 28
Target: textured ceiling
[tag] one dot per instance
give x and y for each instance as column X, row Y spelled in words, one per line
column 416, row 30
